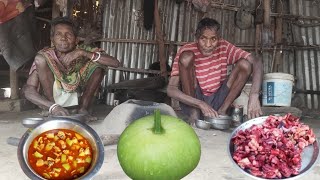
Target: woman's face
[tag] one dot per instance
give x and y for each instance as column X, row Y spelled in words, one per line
column 208, row 41
column 63, row 39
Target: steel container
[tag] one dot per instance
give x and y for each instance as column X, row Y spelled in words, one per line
column 32, row 122
column 309, row 156
column 61, row 123
column 220, row 123
column 203, row 124
column 237, row 115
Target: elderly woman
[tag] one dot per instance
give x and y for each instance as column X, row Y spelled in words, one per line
column 68, row 75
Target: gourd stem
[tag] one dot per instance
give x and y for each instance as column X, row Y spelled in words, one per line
column 157, row 129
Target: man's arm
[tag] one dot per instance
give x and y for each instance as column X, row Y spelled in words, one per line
column 254, row 108
column 173, row 91
column 31, row 93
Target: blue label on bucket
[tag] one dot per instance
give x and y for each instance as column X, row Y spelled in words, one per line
column 270, row 92
column 277, row 91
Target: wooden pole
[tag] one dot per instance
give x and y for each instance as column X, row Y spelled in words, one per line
column 277, row 66
column 266, row 30
column 266, row 13
column 258, row 25
column 69, row 9
column 257, row 41
column 66, row 12
column 55, row 10
column 159, row 38
column 14, row 84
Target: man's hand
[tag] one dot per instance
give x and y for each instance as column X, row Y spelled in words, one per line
column 207, row 110
column 60, row 111
column 254, row 108
column 70, row 58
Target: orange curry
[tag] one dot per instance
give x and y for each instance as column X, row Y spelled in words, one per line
column 60, row 154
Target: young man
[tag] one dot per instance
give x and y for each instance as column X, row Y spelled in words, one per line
column 66, row 72
column 200, row 68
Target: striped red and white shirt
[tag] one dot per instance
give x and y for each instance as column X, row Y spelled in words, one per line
column 211, row 71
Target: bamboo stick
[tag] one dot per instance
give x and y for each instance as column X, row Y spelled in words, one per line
column 266, row 13
column 277, row 66
column 160, row 40
column 14, row 85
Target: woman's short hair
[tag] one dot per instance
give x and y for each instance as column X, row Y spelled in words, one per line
column 63, row 20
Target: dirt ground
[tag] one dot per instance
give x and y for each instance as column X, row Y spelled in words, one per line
column 214, row 163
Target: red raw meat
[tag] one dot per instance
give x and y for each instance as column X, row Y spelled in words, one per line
column 273, row 149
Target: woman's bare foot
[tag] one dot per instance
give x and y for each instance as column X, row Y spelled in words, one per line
column 73, row 111
column 87, row 116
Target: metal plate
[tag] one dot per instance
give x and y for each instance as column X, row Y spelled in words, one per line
column 32, row 122
column 309, row 155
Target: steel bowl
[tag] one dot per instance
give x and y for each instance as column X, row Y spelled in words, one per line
column 32, row 122
column 203, row 124
column 79, row 117
column 309, row 156
column 220, row 123
column 61, row 123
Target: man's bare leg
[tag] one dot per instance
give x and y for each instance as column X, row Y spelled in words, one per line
column 188, row 81
column 236, row 82
column 92, row 85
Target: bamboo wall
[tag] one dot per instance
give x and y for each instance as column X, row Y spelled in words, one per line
column 306, row 33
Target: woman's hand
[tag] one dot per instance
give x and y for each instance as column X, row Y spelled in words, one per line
column 60, row 111
column 70, row 58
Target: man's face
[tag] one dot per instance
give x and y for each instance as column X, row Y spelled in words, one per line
column 208, row 41
column 63, row 39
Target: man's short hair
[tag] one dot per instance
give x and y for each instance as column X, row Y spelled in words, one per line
column 207, row 23
column 63, row 20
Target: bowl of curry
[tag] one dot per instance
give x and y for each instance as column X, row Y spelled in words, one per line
column 61, row 148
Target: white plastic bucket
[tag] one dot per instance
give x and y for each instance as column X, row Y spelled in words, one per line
column 277, row 89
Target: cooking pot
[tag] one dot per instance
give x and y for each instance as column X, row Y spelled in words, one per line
column 61, row 123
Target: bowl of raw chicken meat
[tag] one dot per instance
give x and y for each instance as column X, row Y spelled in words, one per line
column 274, row 147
